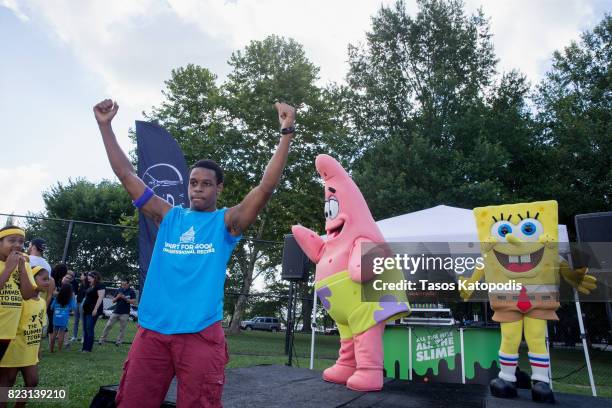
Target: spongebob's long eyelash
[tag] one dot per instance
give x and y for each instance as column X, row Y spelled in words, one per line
column 528, row 216
column 502, row 217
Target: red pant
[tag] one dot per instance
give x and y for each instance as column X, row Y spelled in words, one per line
column 197, row 359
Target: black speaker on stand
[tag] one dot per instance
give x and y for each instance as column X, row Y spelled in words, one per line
column 594, row 233
column 295, row 269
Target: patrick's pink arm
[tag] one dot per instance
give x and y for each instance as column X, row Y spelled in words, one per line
column 310, row 242
column 354, row 264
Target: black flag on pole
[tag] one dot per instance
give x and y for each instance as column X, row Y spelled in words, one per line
column 162, row 167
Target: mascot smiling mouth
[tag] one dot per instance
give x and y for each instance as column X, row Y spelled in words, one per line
column 520, row 263
column 335, row 231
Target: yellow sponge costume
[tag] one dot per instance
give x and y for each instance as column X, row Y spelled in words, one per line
column 520, row 242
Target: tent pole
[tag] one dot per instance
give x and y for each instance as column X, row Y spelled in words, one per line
column 313, row 327
column 583, row 334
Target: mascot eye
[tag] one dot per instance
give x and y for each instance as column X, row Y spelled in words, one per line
column 500, row 229
column 326, row 211
column 334, row 208
column 530, row 229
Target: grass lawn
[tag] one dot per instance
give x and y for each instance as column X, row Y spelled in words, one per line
column 83, row 373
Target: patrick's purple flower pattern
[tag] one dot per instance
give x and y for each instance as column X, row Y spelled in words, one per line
column 390, row 306
column 324, row 293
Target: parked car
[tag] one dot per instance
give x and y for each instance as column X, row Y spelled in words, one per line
column 331, row 331
column 106, row 313
column 261, row 323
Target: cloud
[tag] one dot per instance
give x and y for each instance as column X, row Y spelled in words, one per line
column 21, row 187
column 133, row 45
column 130, row 45
column 324, row 27
column 527, row 32
column 12, row 5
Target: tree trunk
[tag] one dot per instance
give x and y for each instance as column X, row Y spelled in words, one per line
column 247, row 281
column 241, row 303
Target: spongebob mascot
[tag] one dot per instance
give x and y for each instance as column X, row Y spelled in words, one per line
column 339, row 280
column 519, row 243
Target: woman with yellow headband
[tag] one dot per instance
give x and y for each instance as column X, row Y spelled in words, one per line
column 16, row 283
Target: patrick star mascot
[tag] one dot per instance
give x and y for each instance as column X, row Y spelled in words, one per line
column 338, row 280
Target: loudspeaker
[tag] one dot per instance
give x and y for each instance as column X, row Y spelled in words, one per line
column 295, row 261
column 105, row 398
column 594, row 233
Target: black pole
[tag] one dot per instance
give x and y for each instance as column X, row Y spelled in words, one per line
column 67, row 243
column 290, row 323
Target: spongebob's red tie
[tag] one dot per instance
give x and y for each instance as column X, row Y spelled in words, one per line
column 523, row 301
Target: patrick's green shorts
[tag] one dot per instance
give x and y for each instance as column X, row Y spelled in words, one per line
column 344, row 301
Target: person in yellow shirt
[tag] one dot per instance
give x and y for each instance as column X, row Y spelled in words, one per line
column 16, row 282
column 22, row 353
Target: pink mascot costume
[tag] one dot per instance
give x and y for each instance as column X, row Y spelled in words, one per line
column 338, row 280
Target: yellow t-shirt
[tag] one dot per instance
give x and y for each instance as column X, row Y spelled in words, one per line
column 11, row 302
column 23, row 349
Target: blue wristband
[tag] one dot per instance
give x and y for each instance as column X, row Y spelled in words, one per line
column 144, row 198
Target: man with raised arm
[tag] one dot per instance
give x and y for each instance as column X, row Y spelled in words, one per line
column 181, row 306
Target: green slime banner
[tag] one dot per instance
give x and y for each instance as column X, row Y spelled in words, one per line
column 436, row 354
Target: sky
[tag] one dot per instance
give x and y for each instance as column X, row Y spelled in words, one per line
column 57, row 59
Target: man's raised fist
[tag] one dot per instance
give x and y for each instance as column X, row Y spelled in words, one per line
column 105, row 111
column 286, row 114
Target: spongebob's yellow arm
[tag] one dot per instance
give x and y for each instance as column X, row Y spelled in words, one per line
column 476, row 276
column 578, row 278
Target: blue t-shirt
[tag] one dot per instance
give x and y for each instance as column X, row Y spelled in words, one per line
column 183, row 290
column 61, row 314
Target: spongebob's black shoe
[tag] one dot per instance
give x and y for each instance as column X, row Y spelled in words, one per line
column 502, row 389
column 541, row 392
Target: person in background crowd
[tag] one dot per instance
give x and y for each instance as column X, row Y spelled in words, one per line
column 57, row 274
column 92, row 308
column 16, row 283
column 62, row 305
column 36, row 250
column 125, row 298
column 22, row 353
column 67, row 280
column 82, row 286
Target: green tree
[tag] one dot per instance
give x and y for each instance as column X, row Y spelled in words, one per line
column 236, row 125
column 92, row 247
column 575, row 115
column 436, row 125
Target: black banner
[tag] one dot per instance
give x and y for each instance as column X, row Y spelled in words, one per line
column 162, row 167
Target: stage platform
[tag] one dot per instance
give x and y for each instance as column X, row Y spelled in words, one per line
column 282, row 386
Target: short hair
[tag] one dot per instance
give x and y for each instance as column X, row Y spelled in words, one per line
column 40, row 244
column 211, row 165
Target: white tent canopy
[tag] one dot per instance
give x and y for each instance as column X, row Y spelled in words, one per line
column 441, row 223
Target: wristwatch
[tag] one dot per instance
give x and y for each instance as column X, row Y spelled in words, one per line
column 287, row 131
